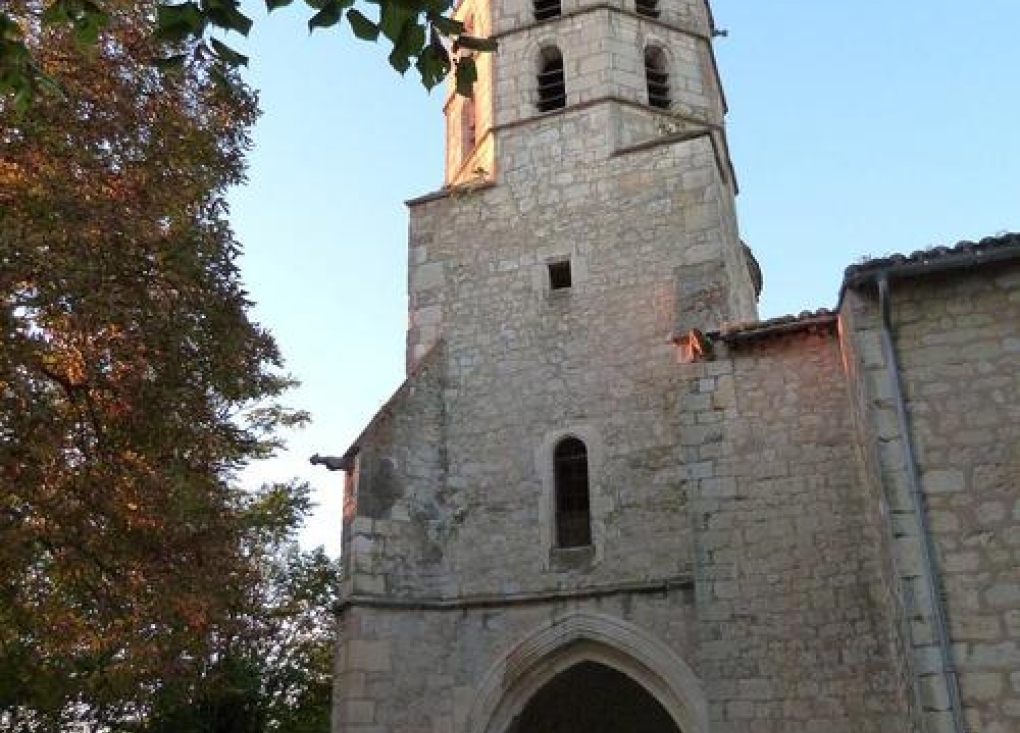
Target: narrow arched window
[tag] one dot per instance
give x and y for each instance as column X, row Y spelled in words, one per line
column 573, row 504
column 657, row 77
column 647, row 7
column 468, row 136
column 552, row 90
column 545, row 9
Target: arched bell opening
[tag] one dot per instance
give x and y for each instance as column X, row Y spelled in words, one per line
column 593, row 698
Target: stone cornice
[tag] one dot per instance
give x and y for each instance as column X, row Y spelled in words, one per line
column 688, row 30
column 661, row 586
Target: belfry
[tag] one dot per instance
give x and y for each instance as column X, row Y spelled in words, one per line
column 608, row 498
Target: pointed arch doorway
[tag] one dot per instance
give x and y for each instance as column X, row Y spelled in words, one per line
column 593, row 698
column 555, row 679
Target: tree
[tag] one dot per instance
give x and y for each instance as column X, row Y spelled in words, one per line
column 133, row 383
column 420, row 32
column 271, row 668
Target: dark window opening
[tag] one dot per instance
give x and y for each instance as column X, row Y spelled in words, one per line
column 552, row 90
column 573, row 512
column 657, row 78
column 647, row 7
column 559, row 275
column 593, row 698
column 545, row 9
column 467, row 121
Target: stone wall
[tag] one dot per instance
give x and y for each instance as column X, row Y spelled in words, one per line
column 451, row 557
column 511, row 15
column 756, row 563
column 791, row 603
column 603, row 56
column 871, row 438
column 420, row 670
column 465, row 164
column 957, row 338
column 526, row 366
column 396, row 516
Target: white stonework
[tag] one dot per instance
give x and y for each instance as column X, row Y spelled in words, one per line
column 798, row 525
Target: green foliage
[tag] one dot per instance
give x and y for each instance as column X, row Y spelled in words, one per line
column 274, row 673
column 466, row 75
column 421, row 32
column 363, row 28
column 133, row 385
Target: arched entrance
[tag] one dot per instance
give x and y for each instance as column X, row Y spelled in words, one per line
column 593, row 698
column 583, row 656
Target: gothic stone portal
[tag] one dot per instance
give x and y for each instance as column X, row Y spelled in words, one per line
column 593, row 698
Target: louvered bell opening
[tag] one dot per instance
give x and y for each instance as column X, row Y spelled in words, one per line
column 648, row 8
column 546, row 9
column 552, row 91
column 658, row 89
column 467, row 121
column 657, row 78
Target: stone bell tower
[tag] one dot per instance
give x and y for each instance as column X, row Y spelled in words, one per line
column 516, row 529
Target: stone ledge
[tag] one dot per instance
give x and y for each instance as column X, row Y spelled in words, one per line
column 641, row 587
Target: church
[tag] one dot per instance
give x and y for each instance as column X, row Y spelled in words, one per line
column 607, row 496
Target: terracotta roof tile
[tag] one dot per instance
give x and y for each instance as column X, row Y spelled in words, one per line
column 803, row 321
column 963, row 254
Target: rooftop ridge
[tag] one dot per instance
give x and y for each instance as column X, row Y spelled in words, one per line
column 963, row 254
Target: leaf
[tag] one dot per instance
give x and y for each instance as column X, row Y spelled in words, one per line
column 363, row 28
column 49, row 84
column 433, row 64
column 224, row 14
column 176, row 23
column 87, row 28
column 90, row 7
column 437, row 8
column 170, row 63
column 392, row 18
column 473, row 43
column 272, row 5
column 409, row 44
column 56, row 13
column 447, row 26
column 328, row 17
column 466, row 76
column 10, row 31
column 227, row 54
column 22, row 100
column 86, row 34
column 399, row 60
column 412, row 40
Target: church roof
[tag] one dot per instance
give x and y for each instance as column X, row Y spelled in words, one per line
column 964, row 254
column 346, row 461
column 821, row 319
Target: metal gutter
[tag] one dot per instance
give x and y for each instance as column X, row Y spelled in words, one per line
column 916, row 499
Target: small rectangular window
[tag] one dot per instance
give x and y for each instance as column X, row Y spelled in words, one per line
column 559, row 275
column 546, row 9
column 649, row 8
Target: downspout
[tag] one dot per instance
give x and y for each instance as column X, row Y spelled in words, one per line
column 917, row 504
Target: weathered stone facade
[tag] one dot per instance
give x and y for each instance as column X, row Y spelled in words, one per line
column 798, row 525
column 954, row 322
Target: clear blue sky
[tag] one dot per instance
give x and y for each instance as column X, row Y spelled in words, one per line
column 856, row 128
